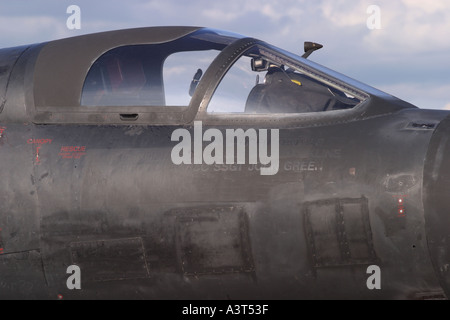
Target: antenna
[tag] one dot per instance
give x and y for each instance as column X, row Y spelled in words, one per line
column 310, row 47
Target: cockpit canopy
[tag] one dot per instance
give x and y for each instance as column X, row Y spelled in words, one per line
column 163, row 74
column 152, row 74
column 172, row 75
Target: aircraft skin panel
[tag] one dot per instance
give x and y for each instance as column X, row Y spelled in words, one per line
column 83, row 202
column 436, row 177
column 98, row 188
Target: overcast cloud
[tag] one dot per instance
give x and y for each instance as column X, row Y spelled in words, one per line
column 408, row 57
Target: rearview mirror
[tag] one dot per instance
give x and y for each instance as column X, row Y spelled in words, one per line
column 259, row 64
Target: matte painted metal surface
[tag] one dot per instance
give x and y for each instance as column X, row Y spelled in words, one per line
column 436, row 201
column 108, row 198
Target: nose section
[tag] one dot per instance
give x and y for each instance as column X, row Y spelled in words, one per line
column 436, row 195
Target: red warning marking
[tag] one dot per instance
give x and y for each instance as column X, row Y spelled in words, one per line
column 39, row 141
column 2, row 130
column 1, row 250
column 37, row 154
column 72, row 152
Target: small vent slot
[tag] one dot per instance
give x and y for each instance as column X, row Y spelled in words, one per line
column 129, row 117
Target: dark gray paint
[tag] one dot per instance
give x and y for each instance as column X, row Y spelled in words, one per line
column 133, row 221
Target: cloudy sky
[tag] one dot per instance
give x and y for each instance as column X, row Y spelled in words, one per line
column 408, row 57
